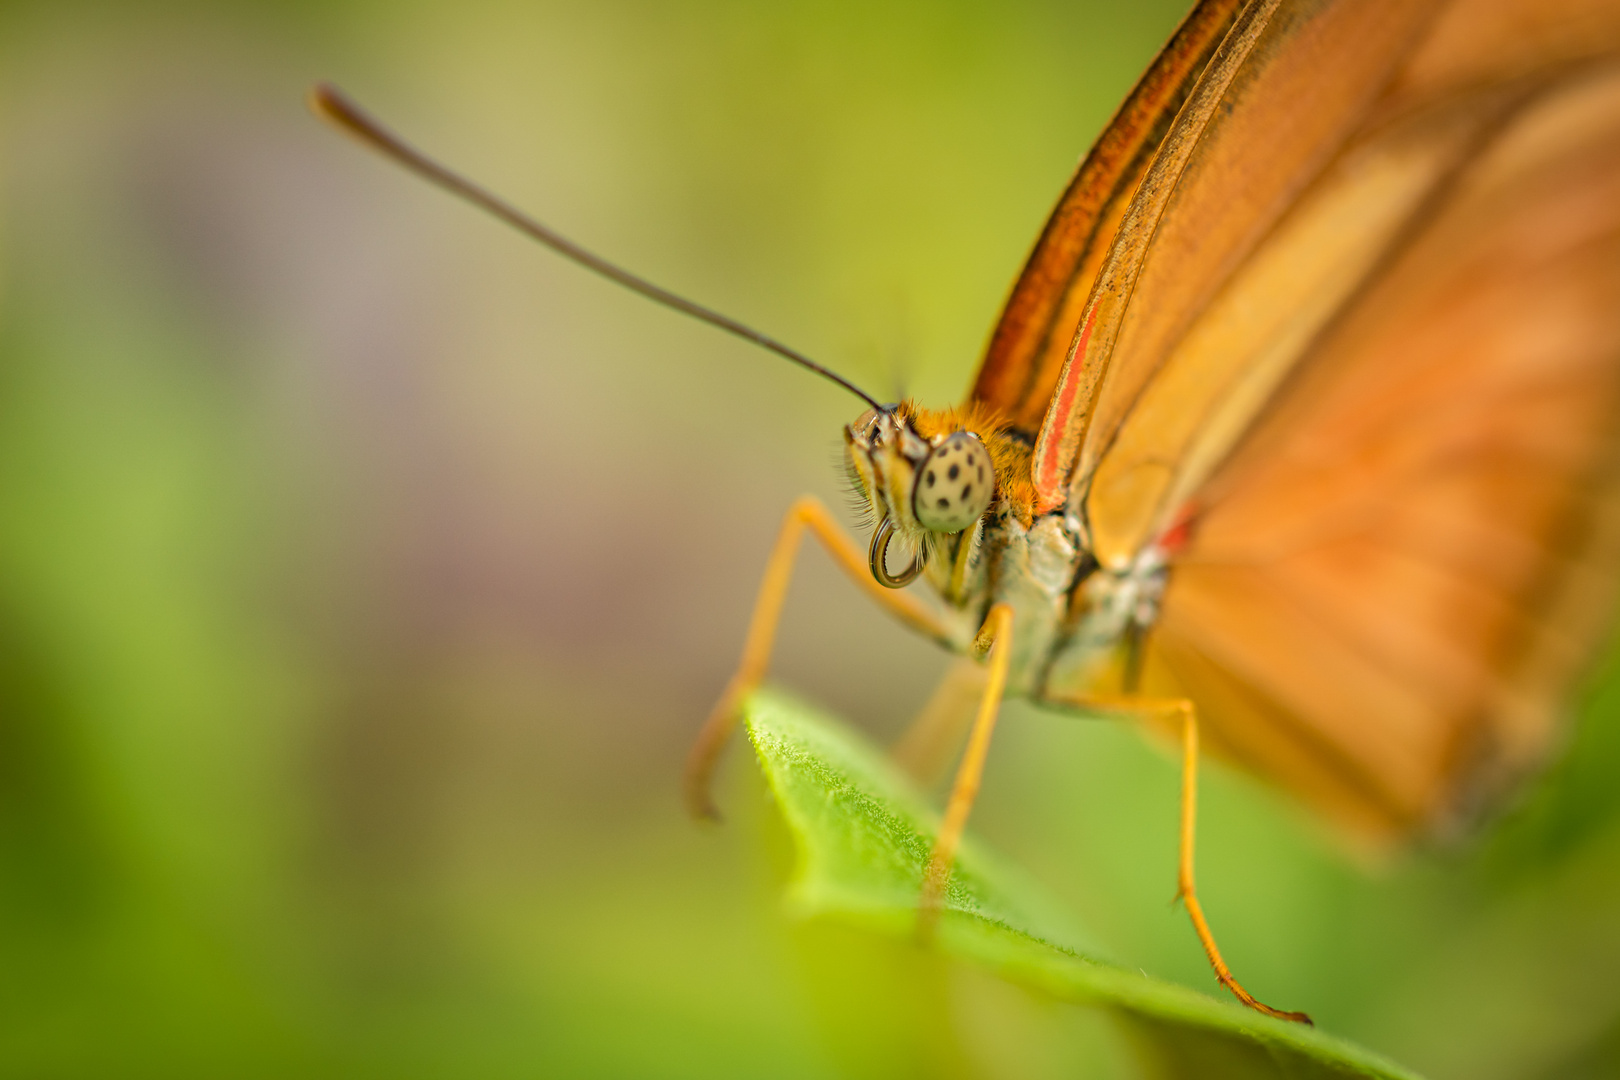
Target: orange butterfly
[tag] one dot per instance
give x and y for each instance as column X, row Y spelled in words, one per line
column 1301, row 416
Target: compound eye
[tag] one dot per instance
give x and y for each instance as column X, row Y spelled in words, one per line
column 953, row 484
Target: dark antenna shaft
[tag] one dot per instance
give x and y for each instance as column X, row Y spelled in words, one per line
column 330, row 104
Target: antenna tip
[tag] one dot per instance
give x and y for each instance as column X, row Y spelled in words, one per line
column 334, row 106
column 323, row 99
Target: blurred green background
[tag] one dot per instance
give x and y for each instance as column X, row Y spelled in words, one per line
column 365, row 571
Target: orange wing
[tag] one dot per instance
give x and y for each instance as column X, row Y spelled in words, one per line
column 1393, row 580
column 1362, row 312
column 1196, row 321
column 1289, row 85
column 1032, row 339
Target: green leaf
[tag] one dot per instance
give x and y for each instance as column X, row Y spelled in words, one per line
column 862, row 835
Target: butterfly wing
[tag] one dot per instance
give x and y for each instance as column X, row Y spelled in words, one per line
column 1032, row 339
column 1361, row 314
column 1193, row 363
column 1394, row 578
column 1288, row 85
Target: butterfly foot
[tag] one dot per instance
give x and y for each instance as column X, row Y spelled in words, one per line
column 705, row 752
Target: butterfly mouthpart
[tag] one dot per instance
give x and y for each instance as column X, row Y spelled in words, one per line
column 878, row 558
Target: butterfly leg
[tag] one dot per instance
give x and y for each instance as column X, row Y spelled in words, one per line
column 805, row 513
column 930, row 742
column 996, row 636
column 1186, row 890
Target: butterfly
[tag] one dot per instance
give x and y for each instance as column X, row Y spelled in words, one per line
column 1297, row 434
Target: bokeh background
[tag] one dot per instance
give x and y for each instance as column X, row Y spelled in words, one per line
column 365, row 570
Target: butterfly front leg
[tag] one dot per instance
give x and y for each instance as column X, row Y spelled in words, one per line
column 1186, row 889
column 931, row 741
column 807, row 512
column 995, row 637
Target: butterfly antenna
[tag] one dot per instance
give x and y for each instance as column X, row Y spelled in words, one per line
column 330, row 104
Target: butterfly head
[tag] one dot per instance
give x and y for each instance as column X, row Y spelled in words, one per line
column 920, row 479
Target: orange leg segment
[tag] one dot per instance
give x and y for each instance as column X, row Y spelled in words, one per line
column 805, row 513
column 926, row 748
column 996, row 634
column 1186, row 890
